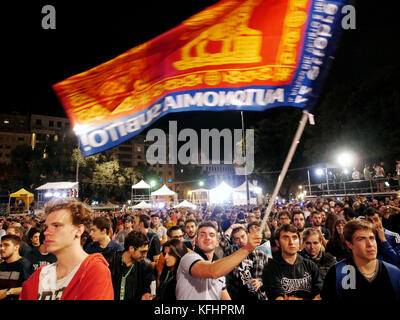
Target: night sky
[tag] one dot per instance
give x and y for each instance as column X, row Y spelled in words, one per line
column 89, row 33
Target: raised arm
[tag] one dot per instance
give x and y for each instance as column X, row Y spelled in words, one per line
column 221, row 267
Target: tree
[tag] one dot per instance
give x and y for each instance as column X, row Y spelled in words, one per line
column 103, row 179
column 47, row 162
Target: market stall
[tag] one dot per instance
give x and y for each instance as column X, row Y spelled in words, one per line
column 22, row 200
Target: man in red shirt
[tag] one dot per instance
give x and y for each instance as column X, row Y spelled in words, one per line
column 76, row 275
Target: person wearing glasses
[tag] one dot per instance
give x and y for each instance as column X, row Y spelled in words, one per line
column 175, row 232
column 131, row 271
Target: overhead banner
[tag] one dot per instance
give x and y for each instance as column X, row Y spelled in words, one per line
column 235, row 55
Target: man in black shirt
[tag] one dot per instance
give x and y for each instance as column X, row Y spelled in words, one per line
column 362, row 276
column 39, row 256
column 24, row 248
column 142, row 223
column 99, row 232
column 289, row 276
column 130, row 270
column 191, row 231
column 14, row 270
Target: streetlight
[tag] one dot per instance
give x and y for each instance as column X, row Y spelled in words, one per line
column 201, row 183
column 319, row 172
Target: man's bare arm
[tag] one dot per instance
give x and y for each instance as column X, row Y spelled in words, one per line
column 221, row 267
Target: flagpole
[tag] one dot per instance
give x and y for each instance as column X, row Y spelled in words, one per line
column 77, row 162
column 289, row 157
column 244, row 153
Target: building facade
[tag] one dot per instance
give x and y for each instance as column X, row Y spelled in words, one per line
column 14, row 131
column 38, row 129
column 48, row 128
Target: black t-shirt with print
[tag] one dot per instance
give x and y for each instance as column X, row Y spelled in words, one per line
column 13, row 274
column 38, row 259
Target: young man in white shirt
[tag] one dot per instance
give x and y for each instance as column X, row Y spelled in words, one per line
column 200, row 276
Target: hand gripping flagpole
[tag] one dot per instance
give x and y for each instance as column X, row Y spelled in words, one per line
column 289, row 157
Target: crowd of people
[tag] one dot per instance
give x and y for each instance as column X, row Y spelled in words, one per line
column 321, row 249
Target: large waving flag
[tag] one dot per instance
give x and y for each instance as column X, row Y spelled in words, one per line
column 234, row 55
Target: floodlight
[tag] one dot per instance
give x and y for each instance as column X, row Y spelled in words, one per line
column 345, row 159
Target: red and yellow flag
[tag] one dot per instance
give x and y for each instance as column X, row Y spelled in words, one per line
column 234, row 55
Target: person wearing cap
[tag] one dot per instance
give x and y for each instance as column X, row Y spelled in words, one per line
column 159, row 228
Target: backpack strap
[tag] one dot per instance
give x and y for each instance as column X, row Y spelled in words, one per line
column 394, row 275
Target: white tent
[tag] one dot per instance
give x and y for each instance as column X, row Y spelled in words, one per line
column 58, row 185
column 200, row 190
column 163, row 191
column 222, row 193
column 239, row 195
column 252, row 188
column 141, row 197
column 185, row 204
column 142, row 205
column 62, row 189
column 199, row 196
column 141, row 185
column 223, row 186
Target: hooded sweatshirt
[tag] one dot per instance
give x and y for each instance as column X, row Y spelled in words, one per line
column 92, row 281
column 302, row 279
